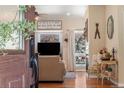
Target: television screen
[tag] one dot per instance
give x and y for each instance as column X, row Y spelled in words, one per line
column 49, row 48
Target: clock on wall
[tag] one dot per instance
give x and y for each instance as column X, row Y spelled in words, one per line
column 110, row 27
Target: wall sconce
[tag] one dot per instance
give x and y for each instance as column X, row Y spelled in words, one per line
column 66, row 39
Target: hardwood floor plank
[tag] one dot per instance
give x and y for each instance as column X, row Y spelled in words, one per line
column 81, row 81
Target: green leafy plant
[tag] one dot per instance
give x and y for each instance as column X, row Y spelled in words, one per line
column 109, row 69
column 22, row 8
column 26, row 27
column 8, row 28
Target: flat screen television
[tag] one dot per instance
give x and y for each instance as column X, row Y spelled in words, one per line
column 49, row 48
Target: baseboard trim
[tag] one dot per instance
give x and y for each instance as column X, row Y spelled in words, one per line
column 114, row 82
column 120, row 85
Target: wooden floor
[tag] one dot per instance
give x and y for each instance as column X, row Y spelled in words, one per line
column 80, row 81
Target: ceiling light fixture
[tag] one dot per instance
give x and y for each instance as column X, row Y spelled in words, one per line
column 68, row 14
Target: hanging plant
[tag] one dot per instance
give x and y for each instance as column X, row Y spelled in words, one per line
column 6, row 31
column 8, row 28
column 27, row 28
column 22, row 8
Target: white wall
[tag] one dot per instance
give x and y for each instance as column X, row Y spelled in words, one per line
column 112, row 43
column 121, row 45
column 118, row 39
column 96, row 15
column 100, row 14
column 68, row 22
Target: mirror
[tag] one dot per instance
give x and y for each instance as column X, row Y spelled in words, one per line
column 110, row 27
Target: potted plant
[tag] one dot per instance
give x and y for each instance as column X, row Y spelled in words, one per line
column 109, row 70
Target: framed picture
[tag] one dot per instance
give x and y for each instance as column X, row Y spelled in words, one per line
column 110, row 27
column 49, row 25
column 46, row 37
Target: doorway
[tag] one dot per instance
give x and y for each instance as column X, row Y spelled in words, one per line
column 79, row 50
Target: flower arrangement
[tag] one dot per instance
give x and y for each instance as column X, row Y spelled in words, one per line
column 105, row 54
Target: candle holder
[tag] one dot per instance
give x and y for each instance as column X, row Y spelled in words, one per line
column 113, row 54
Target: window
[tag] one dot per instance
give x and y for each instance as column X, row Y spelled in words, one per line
column 8, row 14
column 14, row 43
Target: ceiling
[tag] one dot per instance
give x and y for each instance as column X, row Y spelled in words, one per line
column 69, row 10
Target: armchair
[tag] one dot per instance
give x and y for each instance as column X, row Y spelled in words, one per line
column 51, row 68
column 94, row 68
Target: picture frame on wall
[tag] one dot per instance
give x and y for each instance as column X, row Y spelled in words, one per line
column 49, row 37
column 49, row 25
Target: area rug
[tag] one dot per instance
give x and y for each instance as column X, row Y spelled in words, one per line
column 70, row 75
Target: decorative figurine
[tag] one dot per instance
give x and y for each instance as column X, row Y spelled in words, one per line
column 97, row 31
column 113, row 54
